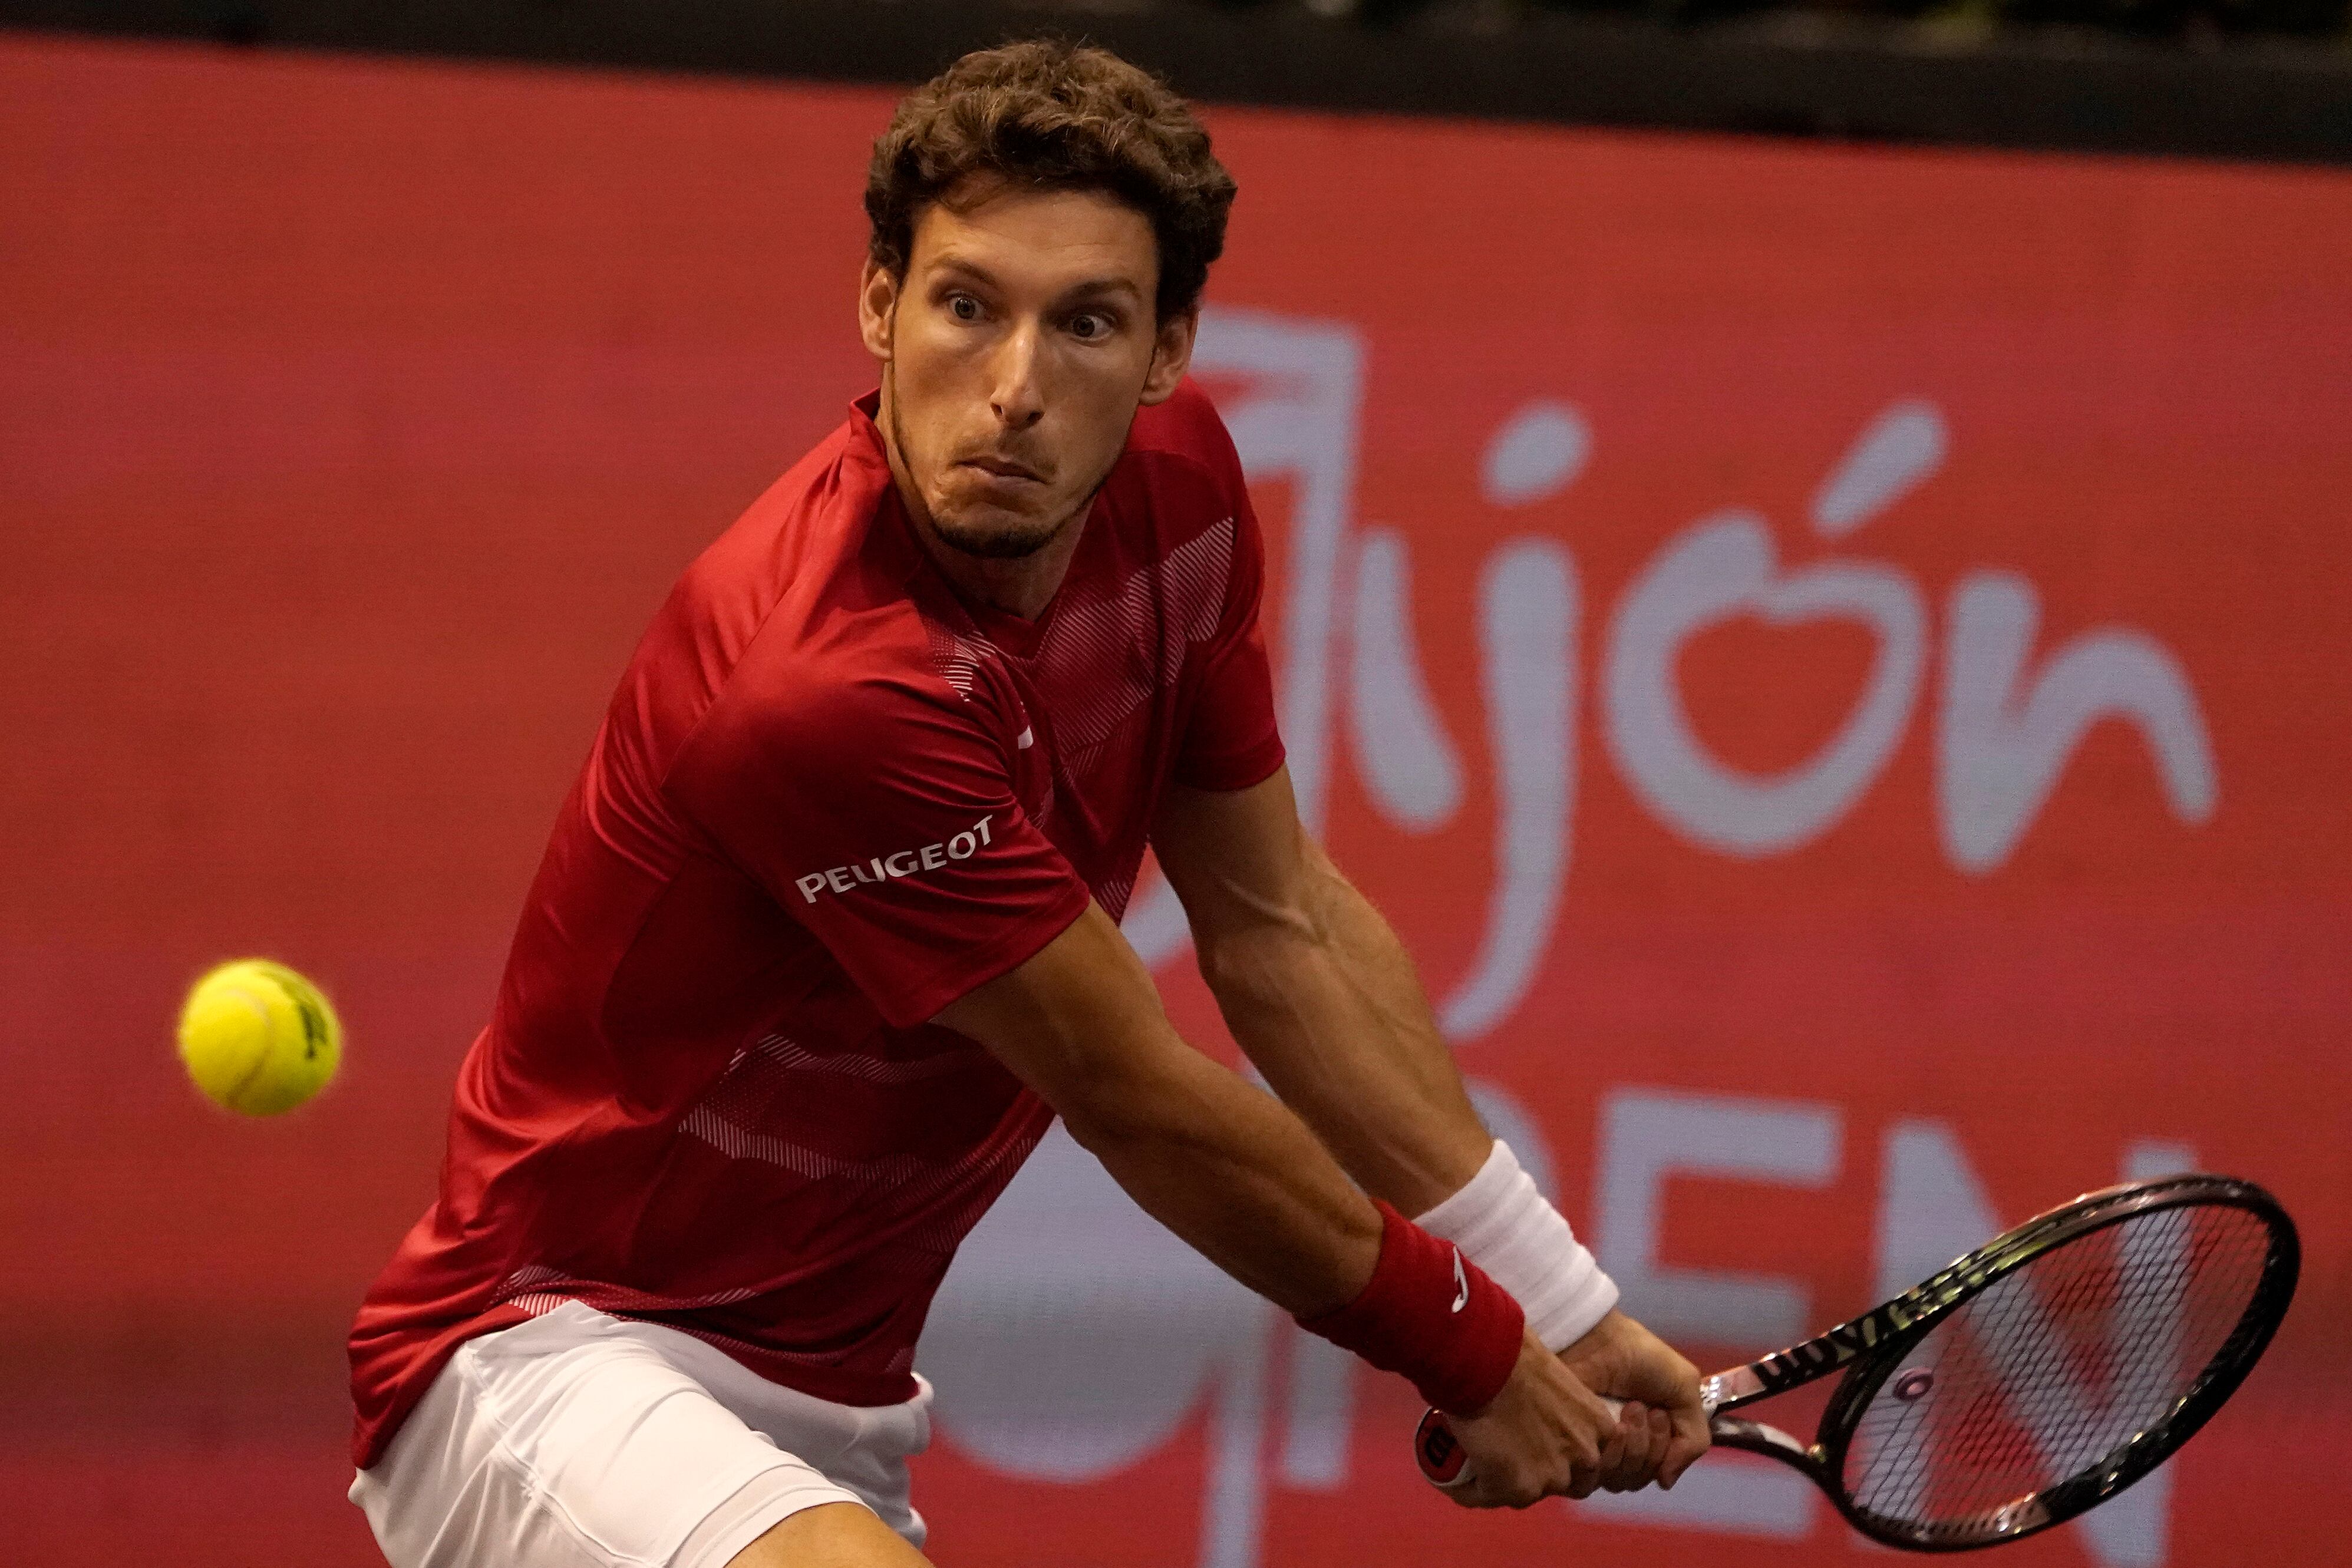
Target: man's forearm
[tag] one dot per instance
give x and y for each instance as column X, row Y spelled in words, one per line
column 1213, row 1158
column 1329, row 1007
column 1324, row 1000
column 1322, row 997
column 1236, row 1176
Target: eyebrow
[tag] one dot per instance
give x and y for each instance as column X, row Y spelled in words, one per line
column 1093, row 287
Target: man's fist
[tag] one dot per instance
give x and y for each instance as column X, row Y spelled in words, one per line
column 1559, row 1428
column 1663, row 1425
column 1546, row 1435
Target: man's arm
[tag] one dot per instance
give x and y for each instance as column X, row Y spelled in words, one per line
column 1322, row 997
column 1220, row 1164
column 1239, row 1177
column 1319, row 993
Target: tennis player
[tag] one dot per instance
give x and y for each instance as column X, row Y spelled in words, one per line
column 826, row 936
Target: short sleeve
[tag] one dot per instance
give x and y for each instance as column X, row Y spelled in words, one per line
column 883, row 819
column 1229, row 740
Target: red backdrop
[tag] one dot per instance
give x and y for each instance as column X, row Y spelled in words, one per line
column 1835, row 661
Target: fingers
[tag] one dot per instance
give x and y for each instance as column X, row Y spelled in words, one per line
column 1641, row 1447
column 1632, row 1455
column 1589, row 1452
column 1622, row 1357
column 1688, row 1440
column 1572, row 1468
column 1609, row 1461
column 1546, row 1433
column 1639, row 1451
column 1627, row 1440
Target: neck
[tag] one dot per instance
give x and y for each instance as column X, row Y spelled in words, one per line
column 1022, row 585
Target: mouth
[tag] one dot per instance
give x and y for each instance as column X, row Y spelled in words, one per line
column 1003, row 468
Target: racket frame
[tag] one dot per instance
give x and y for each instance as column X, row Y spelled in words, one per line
column 1869, row 1349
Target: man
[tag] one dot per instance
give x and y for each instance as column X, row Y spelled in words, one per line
column 825, row 936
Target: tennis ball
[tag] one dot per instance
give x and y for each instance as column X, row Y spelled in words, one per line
column 257, row 1037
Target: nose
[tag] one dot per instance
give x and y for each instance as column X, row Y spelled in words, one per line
column 1014, row 395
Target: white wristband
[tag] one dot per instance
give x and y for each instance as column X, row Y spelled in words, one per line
column 1507, row 1229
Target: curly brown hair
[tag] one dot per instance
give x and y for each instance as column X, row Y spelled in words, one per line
column 1055, row 116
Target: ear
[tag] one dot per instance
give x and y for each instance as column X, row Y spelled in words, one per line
column 877, row 303
column 1171, row 356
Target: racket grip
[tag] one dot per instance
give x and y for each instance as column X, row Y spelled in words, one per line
column 1438, row 1450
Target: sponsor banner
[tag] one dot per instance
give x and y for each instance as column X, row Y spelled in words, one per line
column 1831, row 660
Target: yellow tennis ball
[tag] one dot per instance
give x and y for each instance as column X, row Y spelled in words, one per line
column 258, row 1038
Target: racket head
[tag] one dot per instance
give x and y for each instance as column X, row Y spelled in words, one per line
column 2052, row 1367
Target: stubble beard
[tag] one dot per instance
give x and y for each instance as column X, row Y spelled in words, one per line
column 1014, row 539
column 996, row 541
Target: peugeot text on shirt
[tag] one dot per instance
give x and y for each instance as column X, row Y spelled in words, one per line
column 903, row 862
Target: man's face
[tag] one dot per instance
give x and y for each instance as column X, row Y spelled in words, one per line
column 1016, row 352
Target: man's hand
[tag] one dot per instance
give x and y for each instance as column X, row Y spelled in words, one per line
column 1550, row 1434
column 1663, row 1426
column 1546, row 1435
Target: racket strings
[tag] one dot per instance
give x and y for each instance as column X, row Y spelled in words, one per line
column 2053, row 1369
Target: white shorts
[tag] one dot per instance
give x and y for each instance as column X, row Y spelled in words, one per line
column 578, row 1440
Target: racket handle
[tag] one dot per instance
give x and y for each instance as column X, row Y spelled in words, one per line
column 1439, row 1452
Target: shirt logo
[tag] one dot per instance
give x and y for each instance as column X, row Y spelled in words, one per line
column 1461, row 1283
column 899, row 862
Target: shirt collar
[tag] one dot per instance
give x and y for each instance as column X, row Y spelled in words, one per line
column 865, row 413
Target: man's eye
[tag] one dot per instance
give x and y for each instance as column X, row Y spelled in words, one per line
column 1089, row 326
column 964, row 307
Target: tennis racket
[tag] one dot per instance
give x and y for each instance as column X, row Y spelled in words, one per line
column 2032, row 1379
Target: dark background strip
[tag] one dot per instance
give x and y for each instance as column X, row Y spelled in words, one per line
column 1855, row 80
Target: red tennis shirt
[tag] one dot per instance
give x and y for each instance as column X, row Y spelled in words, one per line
column 829, row 798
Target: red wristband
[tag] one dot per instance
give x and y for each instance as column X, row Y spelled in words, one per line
column 1432, row 1314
